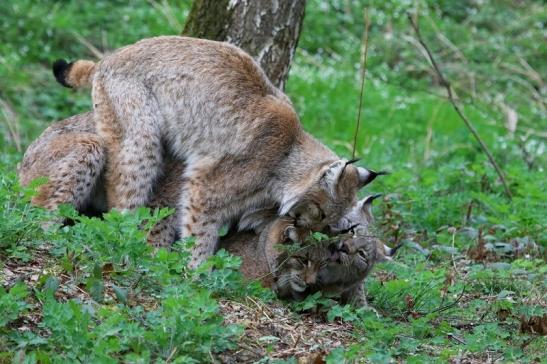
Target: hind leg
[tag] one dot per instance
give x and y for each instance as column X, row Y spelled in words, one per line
column 128, row 119
column 77, row 164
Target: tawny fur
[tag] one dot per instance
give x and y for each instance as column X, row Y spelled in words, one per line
column 261, row 259
column 213, row 107
column 81, row 74
column 72, row 156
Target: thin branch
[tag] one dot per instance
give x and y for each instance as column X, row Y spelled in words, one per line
column 450, row 305
column 10, row 119
column 90, row 47
column 446, row 84
column 363, row 62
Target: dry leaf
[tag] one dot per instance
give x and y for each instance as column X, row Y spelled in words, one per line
column 502, row 314
column 534, row 325
column 313, row 358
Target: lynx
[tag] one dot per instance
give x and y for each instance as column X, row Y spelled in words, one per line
column 71, row 155
column 64, row 147
column 353, row 256
column 337, row 266
column 212, row 107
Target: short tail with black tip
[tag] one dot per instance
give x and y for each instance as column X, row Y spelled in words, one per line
column 74, row 74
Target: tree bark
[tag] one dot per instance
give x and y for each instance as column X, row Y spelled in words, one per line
column 266, row 29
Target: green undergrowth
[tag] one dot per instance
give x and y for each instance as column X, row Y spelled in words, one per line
column 469, row 283
column 104, row 295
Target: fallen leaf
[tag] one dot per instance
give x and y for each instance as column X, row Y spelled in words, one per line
column 313, row 358
column 503, row 314
column 534, row 325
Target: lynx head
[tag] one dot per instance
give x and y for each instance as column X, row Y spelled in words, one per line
column 350, row 260
column 357, row 250
column 332, row 266
column 358, row 221
column 327, row 197
column 298, row 271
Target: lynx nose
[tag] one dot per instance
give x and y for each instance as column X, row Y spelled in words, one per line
column 310, row 278
column 343, row 248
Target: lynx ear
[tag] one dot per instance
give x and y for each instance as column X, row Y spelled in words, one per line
column 291, row 234
column 367, row 201
column 330, row 178
column 366, row 206
column 391, row 251
column 368, row 175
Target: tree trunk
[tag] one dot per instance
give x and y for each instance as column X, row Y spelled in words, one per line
column 267, row 29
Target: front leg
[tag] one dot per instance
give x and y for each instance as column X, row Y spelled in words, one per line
column 355, row 296
column 205, row 230
column 215, row 192
column 164, row 233
column 199, row 217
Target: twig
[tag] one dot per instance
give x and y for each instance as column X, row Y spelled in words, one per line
column 446, row 84
column 12, row 124
column 363, row 74
column 456, row 338
column 450, row 305
column 97, row 53
column 171, row 355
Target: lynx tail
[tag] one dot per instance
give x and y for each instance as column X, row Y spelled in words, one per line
column 74, row 74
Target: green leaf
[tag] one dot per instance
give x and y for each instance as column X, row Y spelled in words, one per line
column 51, row 285
column 121, row 293
column 95, row 288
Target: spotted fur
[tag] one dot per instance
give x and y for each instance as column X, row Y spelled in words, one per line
column 212, row 107
column 291, row 275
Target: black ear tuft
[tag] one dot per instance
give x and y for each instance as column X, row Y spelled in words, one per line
column 351, row 161
column 60, row 69
column 391, row 251
column 376, row 174
column 371, row 198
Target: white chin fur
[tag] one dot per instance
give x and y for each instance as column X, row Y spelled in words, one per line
column 297, row 288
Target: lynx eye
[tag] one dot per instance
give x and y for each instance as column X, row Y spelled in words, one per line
column 362, row 253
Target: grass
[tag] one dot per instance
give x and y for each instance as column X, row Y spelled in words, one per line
column 94, row 292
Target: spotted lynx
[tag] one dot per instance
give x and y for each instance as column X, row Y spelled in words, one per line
column 71, row 155
column 353, row 255
column 210, row 105
column 337, row 266
column 290, row 278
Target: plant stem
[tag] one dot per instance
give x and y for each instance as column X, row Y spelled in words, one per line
column 446, row 84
